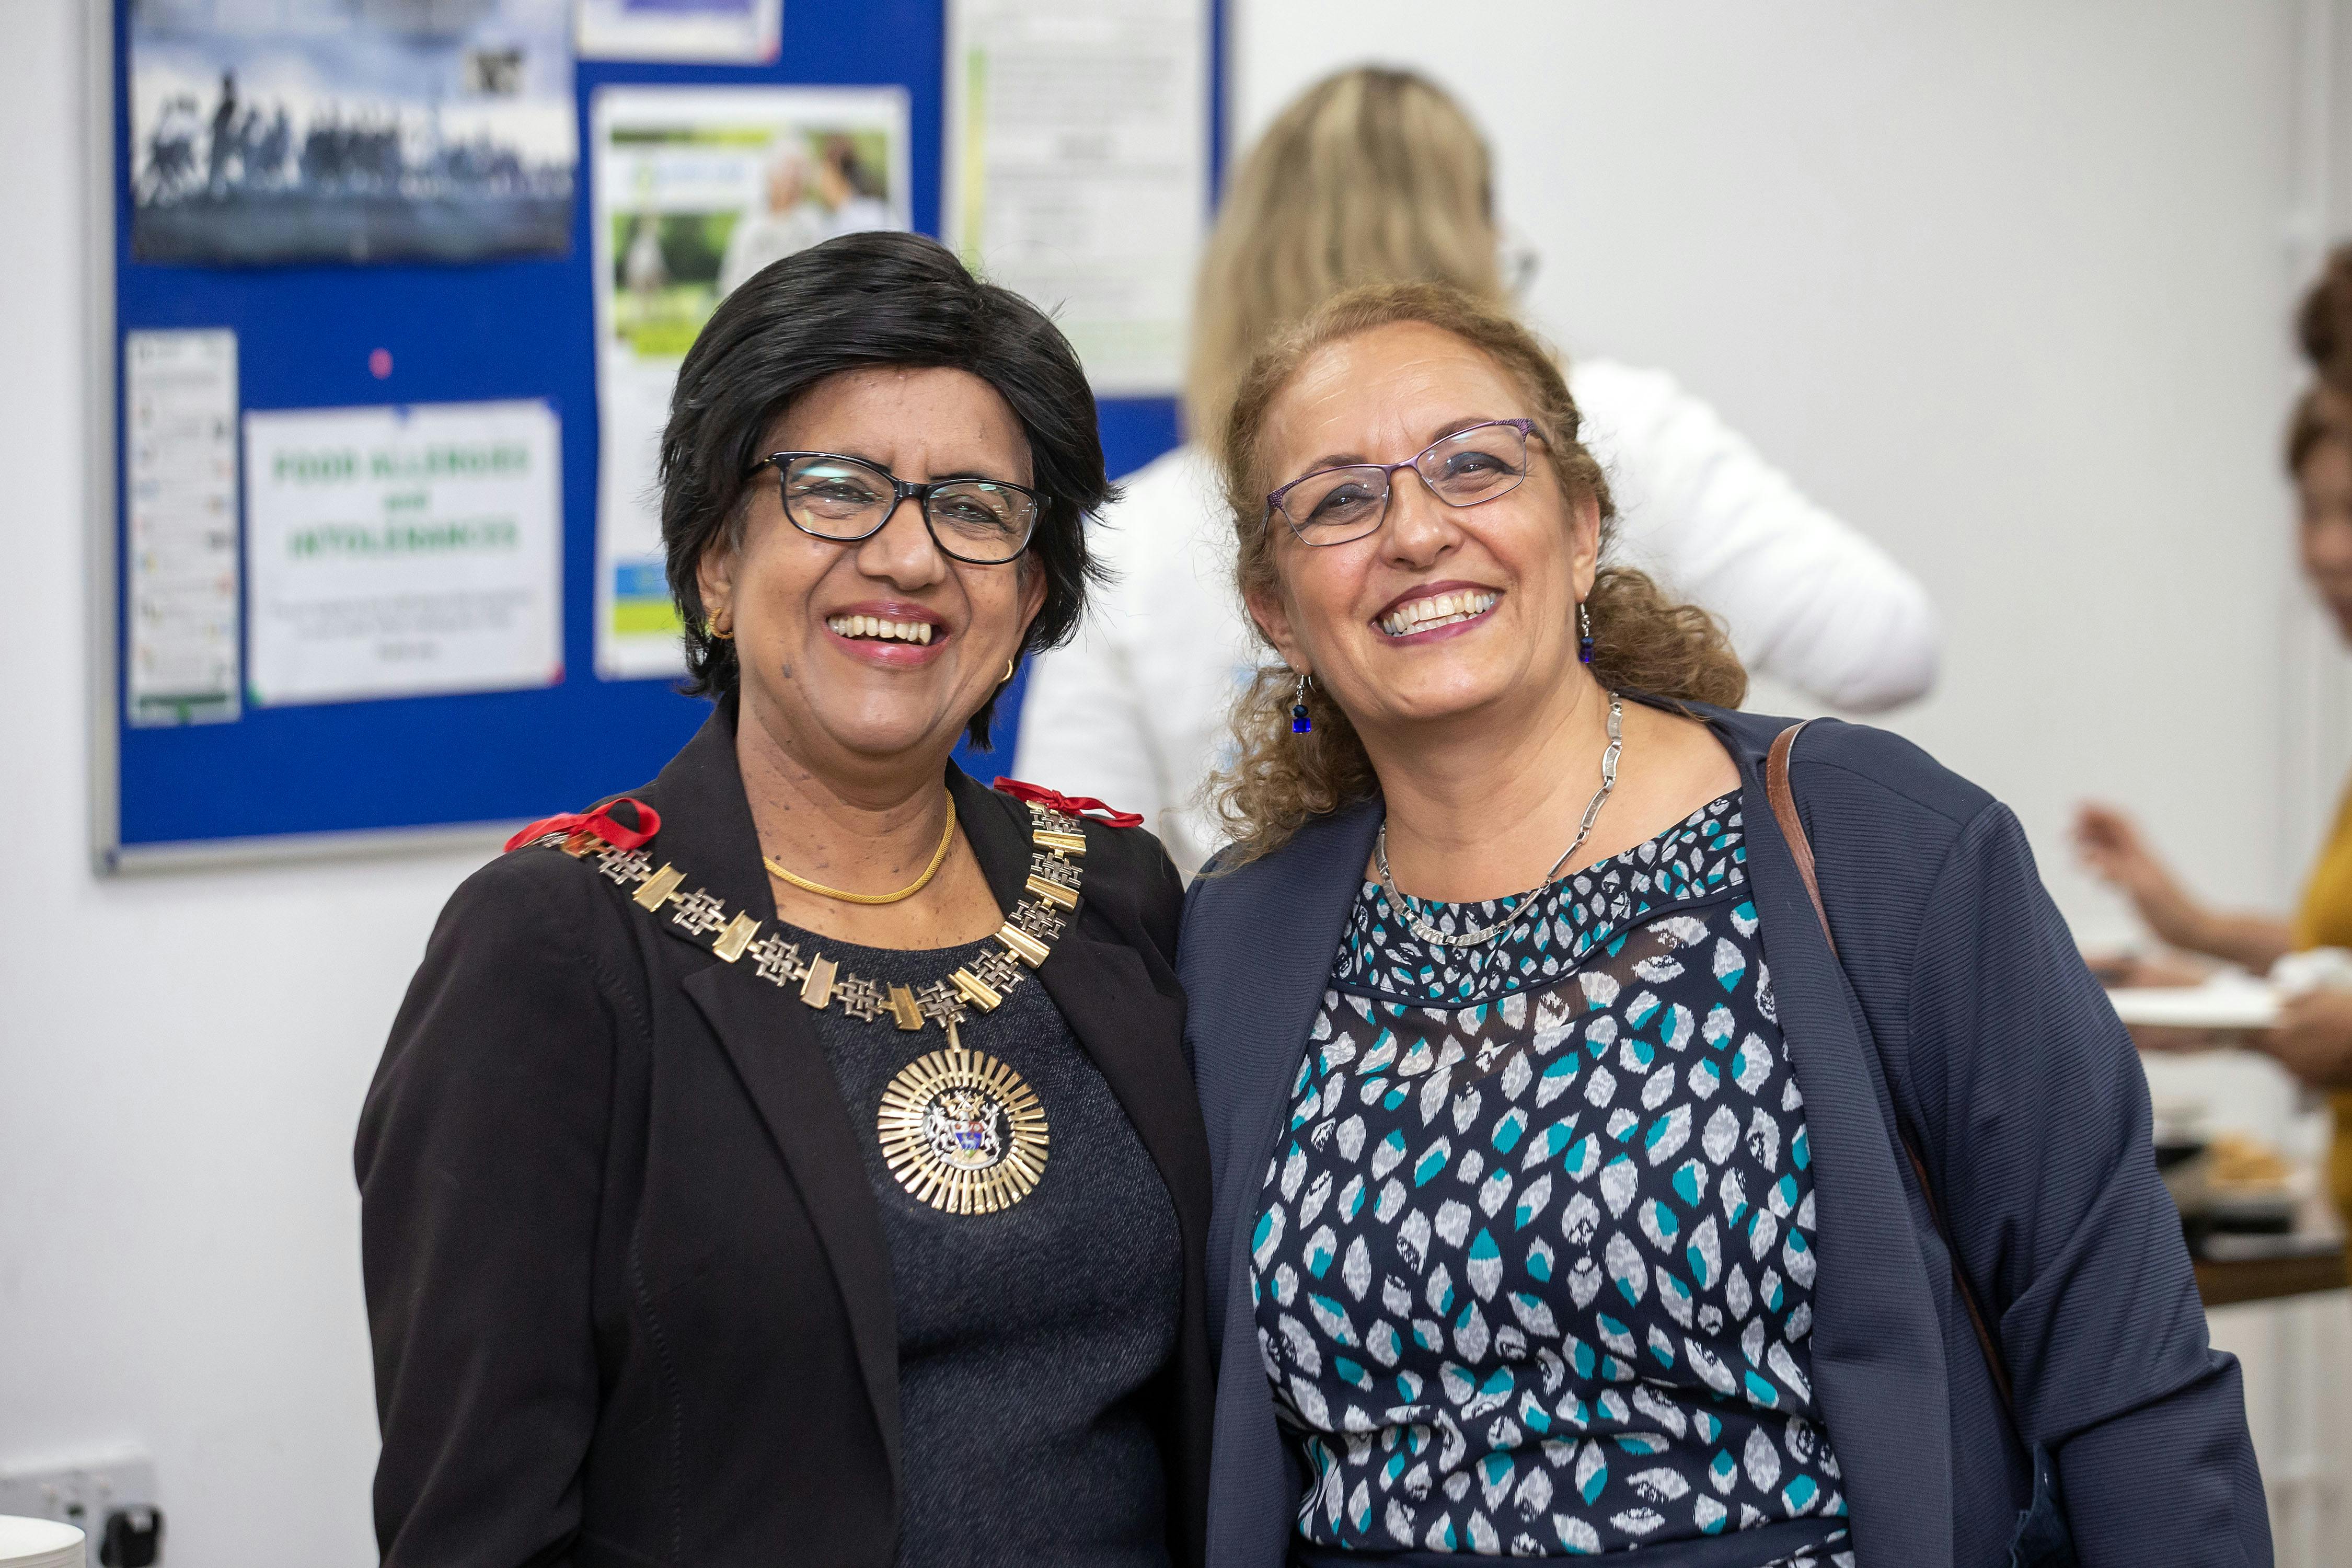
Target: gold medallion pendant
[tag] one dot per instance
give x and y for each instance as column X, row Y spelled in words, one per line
column 964, row 1131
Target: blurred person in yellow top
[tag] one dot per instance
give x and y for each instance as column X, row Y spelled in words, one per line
column 2313, row 1038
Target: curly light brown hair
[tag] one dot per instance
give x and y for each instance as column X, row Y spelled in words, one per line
column 1644, row 641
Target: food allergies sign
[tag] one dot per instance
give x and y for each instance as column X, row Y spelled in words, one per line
column 402, row 552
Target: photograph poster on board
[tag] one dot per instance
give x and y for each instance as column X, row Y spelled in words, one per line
column 393, row 130
column 402, row 552
column 1066, row 120
column 744, row 31
column 695, row 190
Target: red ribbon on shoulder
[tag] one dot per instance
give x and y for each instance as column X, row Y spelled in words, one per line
column 601, row 822
column 1075, row 804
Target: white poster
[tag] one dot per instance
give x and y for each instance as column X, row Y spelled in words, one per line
column 741, row 30
column 695, row 190
column 1077, row 169
column 402, row 552
column 179, row 474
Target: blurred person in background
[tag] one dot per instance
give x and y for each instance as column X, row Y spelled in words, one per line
column 850, row 191
column 2314, row 1038
column 643, row 270
column 1377, row 175
column 786, row 222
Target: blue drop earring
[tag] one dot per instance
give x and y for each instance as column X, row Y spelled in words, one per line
column 1299, row 723
column 1583, row 632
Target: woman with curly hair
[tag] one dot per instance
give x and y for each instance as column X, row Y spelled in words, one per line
column 1632, row 1128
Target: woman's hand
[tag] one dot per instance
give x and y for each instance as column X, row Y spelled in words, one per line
column 2112, row 847
column 2314, row 1038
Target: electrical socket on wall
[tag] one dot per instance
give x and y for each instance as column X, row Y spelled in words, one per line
column 82, row 1491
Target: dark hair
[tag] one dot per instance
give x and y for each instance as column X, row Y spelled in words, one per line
column 2322, row 327
column 863, row 300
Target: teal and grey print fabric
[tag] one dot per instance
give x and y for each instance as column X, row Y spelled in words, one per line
column 1533, row 1269
column 1379, row 956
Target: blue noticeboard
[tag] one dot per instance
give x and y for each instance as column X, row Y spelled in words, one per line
column 340, row 776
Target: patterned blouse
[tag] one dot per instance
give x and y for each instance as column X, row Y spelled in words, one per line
column 1533, row 1272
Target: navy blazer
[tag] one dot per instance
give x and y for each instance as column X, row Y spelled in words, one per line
column 1962, row 1007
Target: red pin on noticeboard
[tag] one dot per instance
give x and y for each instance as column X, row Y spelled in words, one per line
column 379, row 363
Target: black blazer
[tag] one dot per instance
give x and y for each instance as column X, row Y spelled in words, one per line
column 1960, row 1010
column 627, row 1281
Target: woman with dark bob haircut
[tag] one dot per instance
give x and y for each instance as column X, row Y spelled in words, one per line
column 795, row 1160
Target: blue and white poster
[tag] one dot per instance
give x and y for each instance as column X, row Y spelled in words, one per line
column 279, row 131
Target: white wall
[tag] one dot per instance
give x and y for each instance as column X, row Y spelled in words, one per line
column 2001, row 281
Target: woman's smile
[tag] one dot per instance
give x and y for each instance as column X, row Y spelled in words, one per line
column 891, row 634
column 1432, row 612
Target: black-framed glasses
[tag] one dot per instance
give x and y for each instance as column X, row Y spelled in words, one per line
column 985, row 522
column 1469, row 468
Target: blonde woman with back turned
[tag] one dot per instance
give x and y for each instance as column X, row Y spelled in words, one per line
column 1374, row 176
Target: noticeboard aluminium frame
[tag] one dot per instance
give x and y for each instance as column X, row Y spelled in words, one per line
column 101, row 508
column 102, row 551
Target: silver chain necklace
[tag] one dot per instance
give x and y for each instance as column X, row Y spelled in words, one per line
column 1430, row 933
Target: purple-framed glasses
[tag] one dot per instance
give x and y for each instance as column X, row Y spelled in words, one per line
column 1469, row 468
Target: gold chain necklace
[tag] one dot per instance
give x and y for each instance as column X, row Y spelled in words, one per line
column 960, row 1130
column 938, row 859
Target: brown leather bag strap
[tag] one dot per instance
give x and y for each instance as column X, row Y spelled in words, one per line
column 1792, row 827
column 1783, row 799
